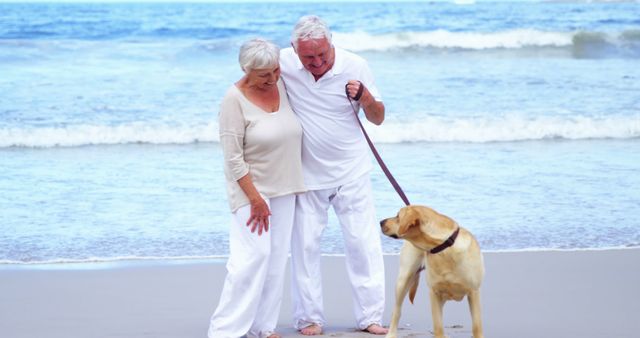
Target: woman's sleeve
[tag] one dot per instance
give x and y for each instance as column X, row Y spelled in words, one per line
column 231, row 123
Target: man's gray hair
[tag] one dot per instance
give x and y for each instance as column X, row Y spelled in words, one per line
column 258, row 54
column 310, row 27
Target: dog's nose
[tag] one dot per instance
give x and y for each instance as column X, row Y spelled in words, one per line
column 381, row 223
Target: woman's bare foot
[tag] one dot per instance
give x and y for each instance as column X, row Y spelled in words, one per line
column 275, row 335
column 311, row 330
column 376, row 329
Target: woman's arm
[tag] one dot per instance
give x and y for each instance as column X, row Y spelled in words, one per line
column 232, row 129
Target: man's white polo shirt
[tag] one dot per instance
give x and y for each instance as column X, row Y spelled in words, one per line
column 334, row 150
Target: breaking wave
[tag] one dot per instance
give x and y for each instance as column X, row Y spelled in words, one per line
column 581, row 43
column 429, row 129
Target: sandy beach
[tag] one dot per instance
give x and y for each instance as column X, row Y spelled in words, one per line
column 525, row 294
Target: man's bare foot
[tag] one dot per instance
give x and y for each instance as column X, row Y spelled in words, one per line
column 311, row 330
column 275, row 335
column 376, row 329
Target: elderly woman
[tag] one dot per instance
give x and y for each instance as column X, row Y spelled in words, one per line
column 261, row 141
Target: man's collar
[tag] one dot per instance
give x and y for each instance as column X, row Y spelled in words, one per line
column 297, row 60
column 338, row 66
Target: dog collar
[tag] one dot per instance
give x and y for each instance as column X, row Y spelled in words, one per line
column 447, row 243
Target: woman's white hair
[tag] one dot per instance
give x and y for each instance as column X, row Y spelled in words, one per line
column 310, row 27
column 258, row 54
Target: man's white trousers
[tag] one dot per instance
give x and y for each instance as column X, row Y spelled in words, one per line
column 252, row 292
column 353, row 205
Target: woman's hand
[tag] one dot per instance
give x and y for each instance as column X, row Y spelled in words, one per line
column 259, row 218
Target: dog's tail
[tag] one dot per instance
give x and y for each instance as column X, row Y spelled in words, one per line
column 413, row 284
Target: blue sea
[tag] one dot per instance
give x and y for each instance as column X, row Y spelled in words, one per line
column 520, row 120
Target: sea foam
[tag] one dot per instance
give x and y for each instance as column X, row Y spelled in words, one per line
column 361, row 41
column 427, row 129
column 507, row 129
column 627, row 42
column 82, row 135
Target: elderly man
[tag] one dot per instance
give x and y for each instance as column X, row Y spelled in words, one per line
column 336, row 165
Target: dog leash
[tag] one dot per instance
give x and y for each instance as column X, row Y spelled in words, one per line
column 449, row 241
column 384, row 168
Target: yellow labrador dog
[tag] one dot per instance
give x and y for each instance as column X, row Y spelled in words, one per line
column 453, row 262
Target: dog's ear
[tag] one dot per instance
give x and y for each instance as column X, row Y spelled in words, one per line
column 408, row 218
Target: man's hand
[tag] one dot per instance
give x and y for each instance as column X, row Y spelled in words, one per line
column 355, row 89
column 373, row 110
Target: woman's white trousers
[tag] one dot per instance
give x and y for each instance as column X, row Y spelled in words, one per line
column 252, row 292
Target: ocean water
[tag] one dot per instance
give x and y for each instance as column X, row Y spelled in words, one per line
column 521, row 120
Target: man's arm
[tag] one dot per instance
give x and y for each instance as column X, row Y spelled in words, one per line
column 373, row 110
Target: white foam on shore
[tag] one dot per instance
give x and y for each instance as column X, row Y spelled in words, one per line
column 363, row 41
column 109, row 262
column 359, row 41
column 507, row 128
column 85, row 134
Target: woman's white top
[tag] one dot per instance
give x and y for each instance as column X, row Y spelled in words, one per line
column 265, row 145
